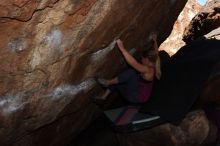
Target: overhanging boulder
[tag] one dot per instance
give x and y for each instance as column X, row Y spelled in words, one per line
column 50, row 52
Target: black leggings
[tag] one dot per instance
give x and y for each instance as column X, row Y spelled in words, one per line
column 127, row 85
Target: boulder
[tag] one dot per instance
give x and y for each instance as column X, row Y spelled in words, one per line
column 204, row 22
column 194, row 130
column 51, row 50
column 174, row 42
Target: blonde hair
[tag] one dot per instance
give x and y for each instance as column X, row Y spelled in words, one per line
column 153, row 56
column 158, row 68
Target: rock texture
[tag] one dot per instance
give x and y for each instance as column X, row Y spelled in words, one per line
column 194, row 130
column 188, row 133
column 211, row 94
column 207, row 20
column 174, row 42
column 50, row 51
column 215, row 34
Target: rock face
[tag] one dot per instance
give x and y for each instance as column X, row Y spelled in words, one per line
column 207, row 20
column 174, row 42
column 50, row 51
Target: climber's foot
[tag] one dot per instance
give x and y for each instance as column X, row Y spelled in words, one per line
column 103, row 82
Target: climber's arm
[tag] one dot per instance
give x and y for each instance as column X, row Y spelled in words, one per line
column 130, row 59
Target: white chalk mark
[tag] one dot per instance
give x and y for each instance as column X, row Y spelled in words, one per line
column 11, row 103
column 54, row 39
column 17, row 45
column 49, row 48
column 3, row 102
column 71, row 90
column 103, row 52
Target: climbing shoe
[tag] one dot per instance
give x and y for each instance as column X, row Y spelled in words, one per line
column 102, row 82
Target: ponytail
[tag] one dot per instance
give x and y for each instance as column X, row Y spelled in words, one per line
column 153, row 56
column 158, row 68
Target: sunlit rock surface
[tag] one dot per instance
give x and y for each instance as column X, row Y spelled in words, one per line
column 174, row 42
column 50, row 51
column 204, row 22
column 215, row 34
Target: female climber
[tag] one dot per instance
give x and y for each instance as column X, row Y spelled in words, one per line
column 134, row 84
